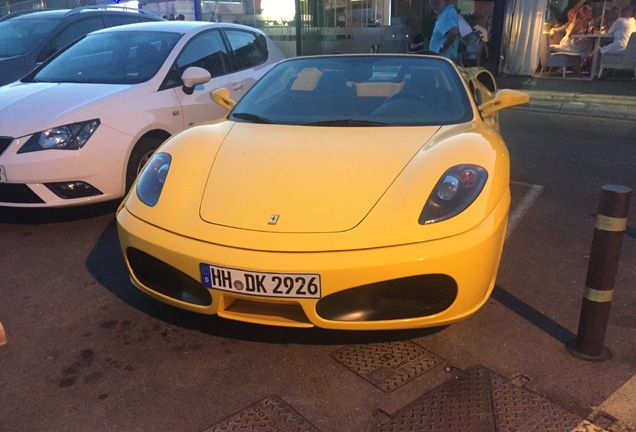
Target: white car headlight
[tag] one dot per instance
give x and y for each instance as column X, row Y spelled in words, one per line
column 68, row 137
column 458, row 187
column 152, row 178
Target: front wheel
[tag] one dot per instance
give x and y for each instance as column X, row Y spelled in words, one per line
column 140, row 155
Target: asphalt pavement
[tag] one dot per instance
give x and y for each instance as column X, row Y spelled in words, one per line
column 459, row 394
column 611, row 98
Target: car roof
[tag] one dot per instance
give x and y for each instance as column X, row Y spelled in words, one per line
column 59, row 14
column 175, row 26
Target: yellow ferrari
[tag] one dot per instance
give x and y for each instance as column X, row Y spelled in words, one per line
column 356, row 192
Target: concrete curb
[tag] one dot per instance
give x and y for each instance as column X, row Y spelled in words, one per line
column 620, row 405
column 604, row 106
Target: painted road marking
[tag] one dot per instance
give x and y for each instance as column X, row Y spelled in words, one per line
column 522, row 208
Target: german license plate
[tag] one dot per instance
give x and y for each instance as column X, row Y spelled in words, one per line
column 3, row 175
column 289, row 285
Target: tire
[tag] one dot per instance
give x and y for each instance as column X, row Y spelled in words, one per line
column 139, row 157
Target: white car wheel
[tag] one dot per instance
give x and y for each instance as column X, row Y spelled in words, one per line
column 139, row 157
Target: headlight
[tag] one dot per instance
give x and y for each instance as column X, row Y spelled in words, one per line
column 152, row 178
column 458, row 187
column 68, row 137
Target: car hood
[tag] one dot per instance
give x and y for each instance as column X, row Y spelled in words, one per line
column 26, row 108
column 12, row 68
column 301, row 179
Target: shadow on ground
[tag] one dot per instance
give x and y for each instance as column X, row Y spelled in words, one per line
column 532, row 315
column 41, row 216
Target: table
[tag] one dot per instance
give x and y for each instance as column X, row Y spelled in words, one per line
column 596, row 37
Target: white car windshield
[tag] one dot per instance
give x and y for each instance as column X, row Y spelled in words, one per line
column 364, row 90
column 115, row 57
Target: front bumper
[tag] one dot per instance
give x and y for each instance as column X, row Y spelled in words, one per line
column 416, row 285
column 60, row 178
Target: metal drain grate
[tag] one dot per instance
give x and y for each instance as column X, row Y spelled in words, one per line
column 460, row 404
column 266, row 415
column 387, row 365
column 520, row 410
column 479, row 400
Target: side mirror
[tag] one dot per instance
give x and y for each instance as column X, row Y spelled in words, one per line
column 192, row 77
column 505, row 98
column 223, row 97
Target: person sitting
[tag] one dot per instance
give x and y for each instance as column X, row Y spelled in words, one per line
column 558, row 31
column 611, row 14
column 478, row 23
column 474, row 42
column 417, row 44
column 583, row 19
column 622, row 29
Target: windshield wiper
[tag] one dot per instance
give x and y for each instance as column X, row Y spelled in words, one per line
column 346, row 122
column 253, row 117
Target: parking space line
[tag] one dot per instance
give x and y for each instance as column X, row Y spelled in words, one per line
column 522, row 208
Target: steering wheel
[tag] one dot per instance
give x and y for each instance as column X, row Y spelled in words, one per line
column 402, row 104
column 408, row 96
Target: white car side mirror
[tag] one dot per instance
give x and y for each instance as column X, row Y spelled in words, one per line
column 194, row 76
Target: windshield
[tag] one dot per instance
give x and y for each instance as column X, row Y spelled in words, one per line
column 20, row 35
column 374, row 90
column 113, row 57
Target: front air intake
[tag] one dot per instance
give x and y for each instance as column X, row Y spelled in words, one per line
column 158, row 276
column 410, row 297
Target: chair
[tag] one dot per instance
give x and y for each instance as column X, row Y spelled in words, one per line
column 474, row 49
column 561, row 60
column 624, row 59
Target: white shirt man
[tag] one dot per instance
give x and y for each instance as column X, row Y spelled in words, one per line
column 622, row 29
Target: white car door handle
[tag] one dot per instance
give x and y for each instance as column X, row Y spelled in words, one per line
column 237, row 86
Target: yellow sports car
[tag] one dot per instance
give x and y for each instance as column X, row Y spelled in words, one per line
column 357, row 192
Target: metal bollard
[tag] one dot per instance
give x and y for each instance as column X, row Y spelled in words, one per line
column 609, row 227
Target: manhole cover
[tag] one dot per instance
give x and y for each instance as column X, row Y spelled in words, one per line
column 387, row 365
column 521, row 410
column 266, row 415
column 463, row 403
column 479, row 400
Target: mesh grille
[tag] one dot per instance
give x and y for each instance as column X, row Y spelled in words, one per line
column 408, row 297
column 18, row 193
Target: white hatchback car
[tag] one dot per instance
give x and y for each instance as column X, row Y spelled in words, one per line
column 78, row 128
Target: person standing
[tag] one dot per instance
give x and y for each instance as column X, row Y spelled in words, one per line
column 445, row 37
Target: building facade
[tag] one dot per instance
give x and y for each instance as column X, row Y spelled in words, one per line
column 305, row 27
